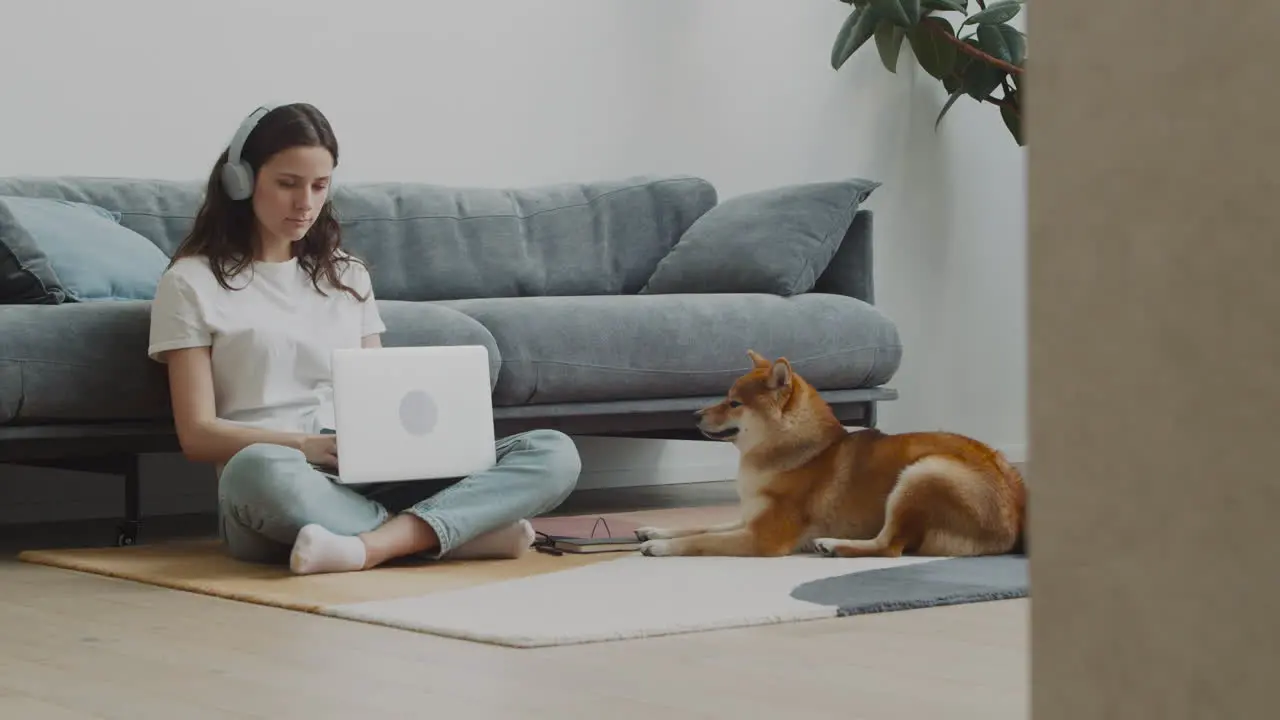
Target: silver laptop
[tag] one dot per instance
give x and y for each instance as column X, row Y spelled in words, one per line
column 412, row 413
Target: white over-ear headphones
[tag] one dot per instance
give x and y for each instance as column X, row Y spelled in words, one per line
column 237, row 176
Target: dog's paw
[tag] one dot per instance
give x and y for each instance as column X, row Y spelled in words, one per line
column 656, row 548
column 823, row 546
column 652, row 533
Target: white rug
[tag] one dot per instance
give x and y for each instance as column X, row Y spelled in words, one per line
column 635, row 596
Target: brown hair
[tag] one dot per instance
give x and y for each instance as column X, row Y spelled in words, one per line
column 224, row 228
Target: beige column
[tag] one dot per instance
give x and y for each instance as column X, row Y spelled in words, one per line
column 1154, row 151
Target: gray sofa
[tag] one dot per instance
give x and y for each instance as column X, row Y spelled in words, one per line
column 612, row 307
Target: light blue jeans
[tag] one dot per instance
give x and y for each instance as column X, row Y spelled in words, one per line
column 266, row 493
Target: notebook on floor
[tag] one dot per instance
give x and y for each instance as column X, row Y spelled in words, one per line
column 585, row 534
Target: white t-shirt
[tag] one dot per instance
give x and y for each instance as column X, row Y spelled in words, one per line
column 271, row 339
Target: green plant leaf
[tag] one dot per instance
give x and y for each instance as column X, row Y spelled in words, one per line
column 1002, row 42
column 1001, row 11
column 936, row 55
column 955, row 95
column 903, row 13
column 842, row 37
column 991, row 42
column 912, row 8
column 960, row 6
column 856, row 31
column 962, row 62
column 889, row 43
column 980, row 77
column 1017, row 42
column 1012, row 117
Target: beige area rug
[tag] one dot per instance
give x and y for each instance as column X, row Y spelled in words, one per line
column 201, row 566
column 542, row 600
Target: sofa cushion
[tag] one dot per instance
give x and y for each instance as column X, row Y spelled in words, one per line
column 429, row 242
column 585, row 349
column 87, row 362
column 425, row 323
column 775, row 241
column 59, row 250
column 79, row 361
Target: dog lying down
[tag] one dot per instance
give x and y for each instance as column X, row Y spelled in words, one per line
column 808, row 485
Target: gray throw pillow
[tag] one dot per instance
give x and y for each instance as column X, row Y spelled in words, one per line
column 775, row 241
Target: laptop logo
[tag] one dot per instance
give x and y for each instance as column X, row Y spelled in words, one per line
column 418, row 413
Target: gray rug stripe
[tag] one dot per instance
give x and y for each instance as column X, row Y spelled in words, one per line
column 953, row 581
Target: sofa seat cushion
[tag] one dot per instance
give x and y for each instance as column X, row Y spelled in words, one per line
column 79, row 362
column 594, row 349
column 428, row 323
column 88, row 362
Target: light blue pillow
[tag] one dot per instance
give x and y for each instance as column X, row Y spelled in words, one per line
column 80, row 251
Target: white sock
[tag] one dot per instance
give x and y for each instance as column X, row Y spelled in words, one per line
column 506, row 542
column 316, row 550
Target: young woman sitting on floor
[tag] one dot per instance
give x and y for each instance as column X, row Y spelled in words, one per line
column 257, row 297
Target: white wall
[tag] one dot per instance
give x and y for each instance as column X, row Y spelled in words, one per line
column 527, row 91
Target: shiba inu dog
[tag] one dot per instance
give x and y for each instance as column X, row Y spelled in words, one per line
column 807, row 484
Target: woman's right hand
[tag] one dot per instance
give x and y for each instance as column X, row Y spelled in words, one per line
column 321, row 450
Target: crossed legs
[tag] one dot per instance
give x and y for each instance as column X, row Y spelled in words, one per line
column 275, row 508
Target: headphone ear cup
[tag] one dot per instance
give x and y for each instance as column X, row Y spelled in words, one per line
column 237, row 180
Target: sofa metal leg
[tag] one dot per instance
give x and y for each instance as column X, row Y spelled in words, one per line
column 127, row 531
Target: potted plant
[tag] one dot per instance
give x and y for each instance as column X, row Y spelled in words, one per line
column 989, row 58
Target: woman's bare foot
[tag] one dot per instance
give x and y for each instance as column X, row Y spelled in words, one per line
column 404, row 534
column 508, row 542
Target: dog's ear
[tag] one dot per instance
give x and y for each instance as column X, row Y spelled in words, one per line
column 757, row 359
column 780, row 376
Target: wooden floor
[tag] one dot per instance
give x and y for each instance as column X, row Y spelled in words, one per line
column 82, row 646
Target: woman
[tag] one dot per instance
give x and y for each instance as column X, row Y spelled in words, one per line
column 255, row 300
